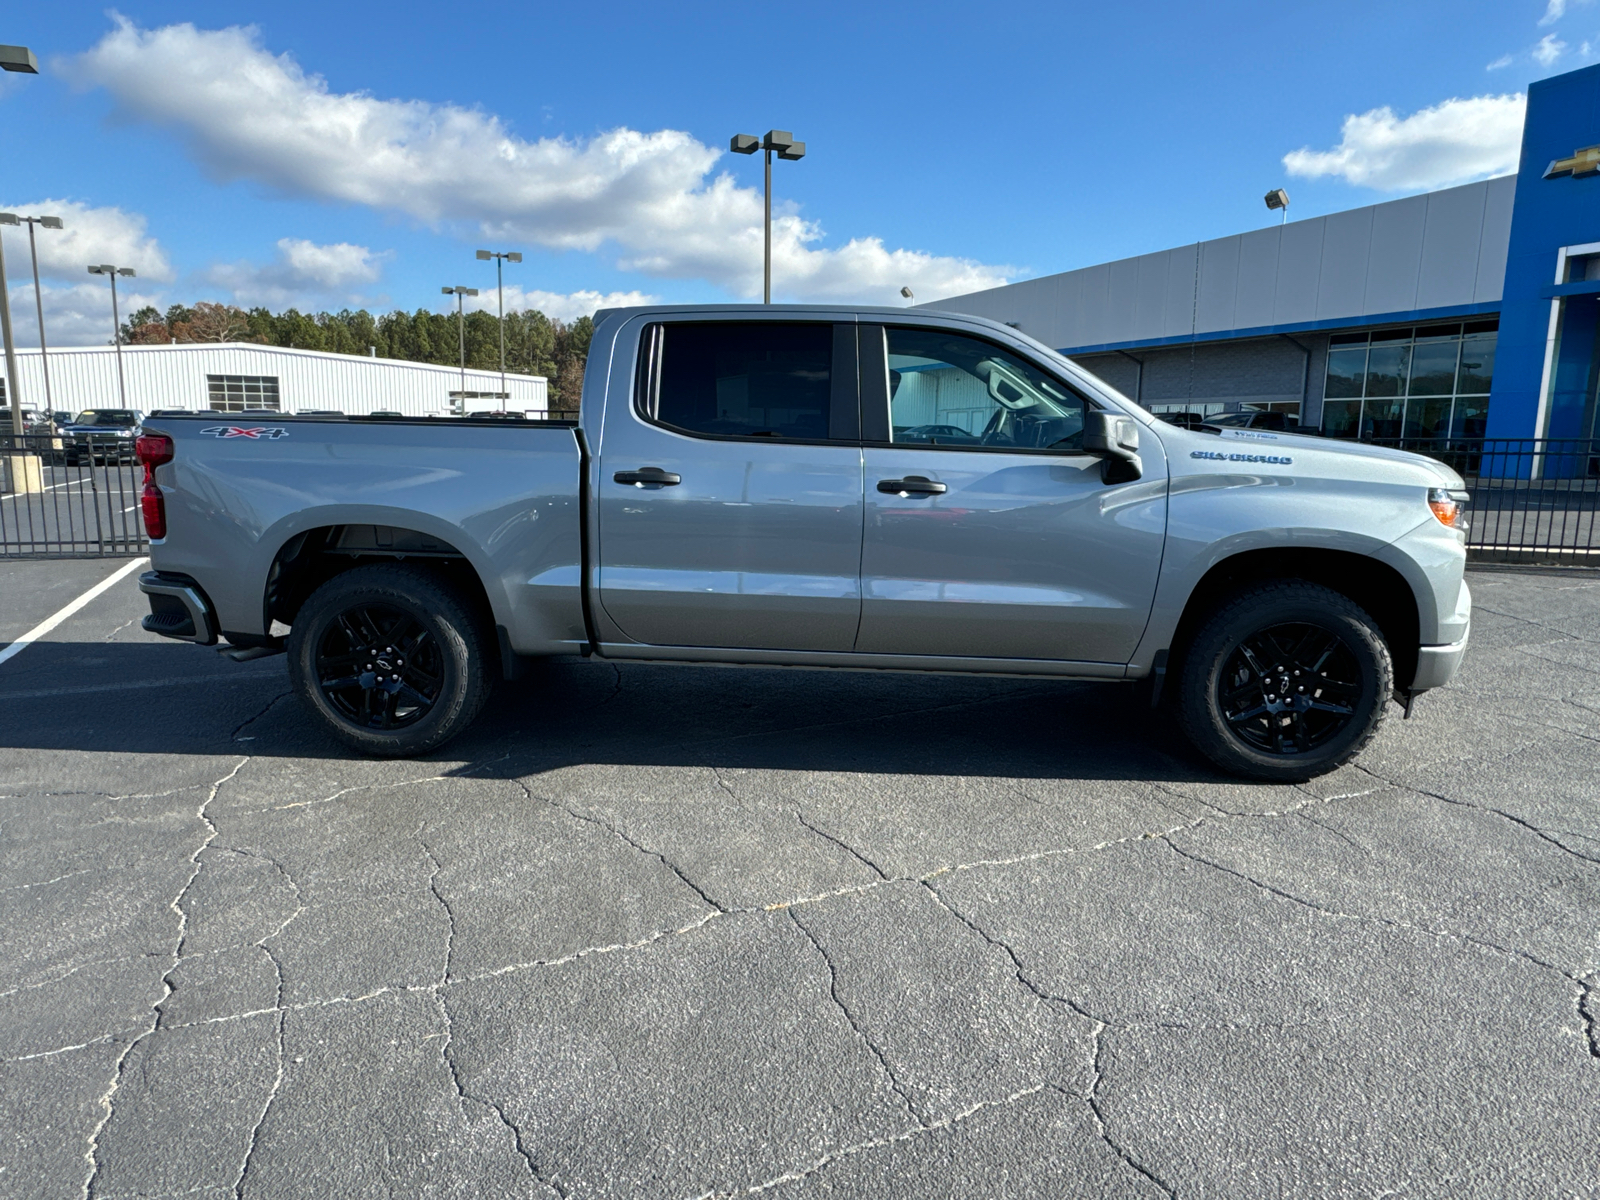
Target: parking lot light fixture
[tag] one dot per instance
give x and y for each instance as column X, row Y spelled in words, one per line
column 19, row 59
column 461, row 293
column 500, row 261
column 111, row 273
column 38, row 295
column 782, row 142
column 13, row 392
column 1277, row 199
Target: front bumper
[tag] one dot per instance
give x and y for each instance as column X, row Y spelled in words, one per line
column 1437, row 665
column 178, row 608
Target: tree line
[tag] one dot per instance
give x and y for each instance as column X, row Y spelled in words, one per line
column 535, row 344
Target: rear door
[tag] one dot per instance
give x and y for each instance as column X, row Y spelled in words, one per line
column 989, row 532
column 730, row 488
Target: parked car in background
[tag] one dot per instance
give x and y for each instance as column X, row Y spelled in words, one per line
column 1183, row 420
column 102, row 435
column 1257, row 419
column 769, row 486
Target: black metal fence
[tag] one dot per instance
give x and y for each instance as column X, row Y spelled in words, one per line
column 1534, row 500
column 69, row 497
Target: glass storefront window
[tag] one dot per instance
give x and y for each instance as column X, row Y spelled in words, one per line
column 1477, row 363
column 1433, row 366
column 1340, row 418
column 1471, row 417
column 1382, row 418
column 1428, row 418
column 1347, row 368
column 1387, row 369
column 1430, row 381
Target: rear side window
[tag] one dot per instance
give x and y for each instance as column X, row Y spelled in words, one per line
column 768, row 379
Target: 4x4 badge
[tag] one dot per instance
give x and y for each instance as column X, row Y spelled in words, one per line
column 257, row 431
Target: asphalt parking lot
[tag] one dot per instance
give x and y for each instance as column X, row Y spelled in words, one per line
column 659, row 931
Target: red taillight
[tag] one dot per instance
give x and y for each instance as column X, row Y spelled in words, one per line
column 153, row 449
column 154, row 507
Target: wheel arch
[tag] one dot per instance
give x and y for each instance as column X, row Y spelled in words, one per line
column 311, row 557
column 1376, row 586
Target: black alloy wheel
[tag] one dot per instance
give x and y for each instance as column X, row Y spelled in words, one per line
column 1284, row 681
column 391, row 659
column 379, row 667
column 1290, row 688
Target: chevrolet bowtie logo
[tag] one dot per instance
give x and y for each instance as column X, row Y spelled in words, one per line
column 1582, row 162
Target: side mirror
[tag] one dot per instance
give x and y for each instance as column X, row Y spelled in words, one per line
column 1114, row 438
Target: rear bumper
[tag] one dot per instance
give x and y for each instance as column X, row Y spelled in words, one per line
column 178, row 608
column 1437, row 665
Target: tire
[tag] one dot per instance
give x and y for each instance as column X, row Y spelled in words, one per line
column 391, row 659
column 1310, row 710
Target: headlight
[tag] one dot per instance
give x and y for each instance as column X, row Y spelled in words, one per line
column 1450, row 507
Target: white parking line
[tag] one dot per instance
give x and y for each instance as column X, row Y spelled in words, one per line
column 45, row 693
column 49, row 623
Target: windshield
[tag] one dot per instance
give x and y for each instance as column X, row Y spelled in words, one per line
column 121, row 417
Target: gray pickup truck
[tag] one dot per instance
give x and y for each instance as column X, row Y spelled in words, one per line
column 869, row 489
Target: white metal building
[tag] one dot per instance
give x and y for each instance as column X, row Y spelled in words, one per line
column 233, row 376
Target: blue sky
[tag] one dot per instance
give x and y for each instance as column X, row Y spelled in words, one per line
column 324, row 155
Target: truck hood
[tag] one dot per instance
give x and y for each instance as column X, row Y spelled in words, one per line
column 1403, row 464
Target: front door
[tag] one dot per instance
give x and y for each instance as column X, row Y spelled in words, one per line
column 989, row 532
column 730, row 493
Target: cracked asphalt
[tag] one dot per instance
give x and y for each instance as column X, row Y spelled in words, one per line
column 675, row 932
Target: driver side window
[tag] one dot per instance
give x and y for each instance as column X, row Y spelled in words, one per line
column 949, row 390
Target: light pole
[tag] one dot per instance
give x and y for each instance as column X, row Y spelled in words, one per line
column 116, row 320
column 909, row 295
column 461, row 293
column 500, row 261
column 21, row 60
column 783, row 142
column 38, row 296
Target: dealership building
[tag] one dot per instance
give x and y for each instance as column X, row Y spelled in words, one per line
column 1465, row 312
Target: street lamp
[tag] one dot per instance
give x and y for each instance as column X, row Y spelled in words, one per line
column 783, row 142
column 500, row 261
column 21, row 60
column 461, row 293
column 909, row 295
column 1278, row 198
column 116, row 320
column 38, row 296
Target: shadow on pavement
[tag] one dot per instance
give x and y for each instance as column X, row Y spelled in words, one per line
column 176, row 699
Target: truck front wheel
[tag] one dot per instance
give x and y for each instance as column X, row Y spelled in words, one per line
column 1284, row 682
column 391, row 660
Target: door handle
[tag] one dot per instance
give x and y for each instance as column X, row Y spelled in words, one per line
column 912, row 485
column 646, row 476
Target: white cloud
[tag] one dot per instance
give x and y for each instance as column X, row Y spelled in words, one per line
column 1505, row 60
column 1554, row 12
column 562, row 306
column 248, row 114
column 1548, row 49
column 77, row 314
column 91, row 235
column 304, row 275
column 1452, row 142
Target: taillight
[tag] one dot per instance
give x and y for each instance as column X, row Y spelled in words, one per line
column 152, row 450
column 154, row 506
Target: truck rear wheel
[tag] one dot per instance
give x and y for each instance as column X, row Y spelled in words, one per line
column 390, row 658
column 1284, row 682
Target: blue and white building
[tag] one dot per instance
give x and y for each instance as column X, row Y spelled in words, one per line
column 1466, row 312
